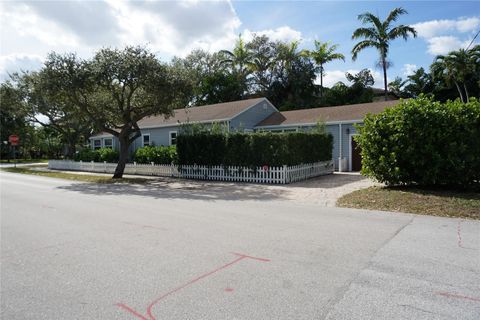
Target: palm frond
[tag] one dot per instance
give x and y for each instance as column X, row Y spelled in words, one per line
column 394, row 14
column 368, row 33
column 402, row 31
column 368, row 17
column 363, row 45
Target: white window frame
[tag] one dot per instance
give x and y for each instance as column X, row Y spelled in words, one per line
column 105, row 145
column 99, row 146
column 170, row 137
column 143, row 140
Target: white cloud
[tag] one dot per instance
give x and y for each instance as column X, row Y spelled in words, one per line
column 445, row 44
column 16, row 63
column 331, row 77
column 409, row 69
column 284, row 33
column 443, row 36
column 168, row 28
column 433, row 28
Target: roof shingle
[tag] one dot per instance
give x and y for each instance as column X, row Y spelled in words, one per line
column 213, row 112
column 327, row 114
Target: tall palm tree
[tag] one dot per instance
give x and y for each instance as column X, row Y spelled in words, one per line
column 378, row 34
column 324, row 53
column 240, row 59
column 456, row 68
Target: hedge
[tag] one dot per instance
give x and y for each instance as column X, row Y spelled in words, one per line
column 158, row 155
column 253, row 149
column 99, row 155
column 423, row 142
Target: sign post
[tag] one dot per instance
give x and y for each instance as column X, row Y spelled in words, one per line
column 13, row 139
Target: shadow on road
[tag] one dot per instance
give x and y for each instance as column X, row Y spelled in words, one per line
column 184, row 189
column 335, row 180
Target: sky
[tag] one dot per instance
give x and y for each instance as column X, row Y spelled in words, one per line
column 29, row 30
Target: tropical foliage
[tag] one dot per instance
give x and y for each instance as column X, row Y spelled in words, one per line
column 423, row 142
column 378, row 34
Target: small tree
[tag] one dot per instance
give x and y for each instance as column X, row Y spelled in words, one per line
column 116, row 89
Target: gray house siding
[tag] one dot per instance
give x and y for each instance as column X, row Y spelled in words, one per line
column 250, row 117
column 347, row 130
column 158, row 136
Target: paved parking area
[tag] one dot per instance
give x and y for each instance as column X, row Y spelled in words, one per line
column 88, row 251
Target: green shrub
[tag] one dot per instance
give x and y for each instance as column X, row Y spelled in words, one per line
column 253, row 149
column 423, row 142
column 158, row 155
column 99, row 155
column 86, row 154
column 107, row 154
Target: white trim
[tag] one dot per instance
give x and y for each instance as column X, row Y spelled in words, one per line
column 308, row 124
column 103, row 142
column 350, row 155
column 143, row 140
column 182, row 123
column 97, row 139
column 170, row 137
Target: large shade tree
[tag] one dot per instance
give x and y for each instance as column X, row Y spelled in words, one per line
column 116, row 89
column 378, row 34
column 324, row 53
column 51, row 108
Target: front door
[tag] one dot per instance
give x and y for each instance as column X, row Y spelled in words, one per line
column 356, row 157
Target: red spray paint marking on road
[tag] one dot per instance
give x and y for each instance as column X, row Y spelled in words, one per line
column 452, row 295
column 154, row 302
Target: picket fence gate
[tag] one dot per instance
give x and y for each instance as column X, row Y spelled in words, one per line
column 265, row 174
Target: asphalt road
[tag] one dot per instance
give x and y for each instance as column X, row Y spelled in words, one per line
column 85, row 251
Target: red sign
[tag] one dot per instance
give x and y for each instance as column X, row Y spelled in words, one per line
column 13, row 139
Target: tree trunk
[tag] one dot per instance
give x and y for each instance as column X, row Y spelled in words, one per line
column 384, row 65
column 321, row 81
column 124, row 141
column 466, row 93
column 459, row 91
column 71, row 150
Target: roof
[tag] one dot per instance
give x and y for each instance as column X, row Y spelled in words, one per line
column 212, row 112
column 327, row 114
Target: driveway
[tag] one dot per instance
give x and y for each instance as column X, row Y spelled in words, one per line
column 89, row 251
column 323, row 190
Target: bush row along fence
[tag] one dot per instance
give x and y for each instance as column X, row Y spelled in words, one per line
column 272, row 175
column 254, row 150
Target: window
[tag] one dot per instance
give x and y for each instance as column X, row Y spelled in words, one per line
column 173, row 138
column 97, row 144
column 108, row 143
column 146, row 139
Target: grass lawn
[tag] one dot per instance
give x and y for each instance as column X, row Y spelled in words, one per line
column 72, row 176
column 414, row 200
column 24, row 161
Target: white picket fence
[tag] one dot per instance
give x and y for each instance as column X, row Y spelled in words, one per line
column 265, row 174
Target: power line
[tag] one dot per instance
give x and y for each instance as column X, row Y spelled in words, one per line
column 473, row 40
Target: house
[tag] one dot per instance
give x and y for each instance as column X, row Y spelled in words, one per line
column 260, row 115
column 339, row 121
column 240, row 115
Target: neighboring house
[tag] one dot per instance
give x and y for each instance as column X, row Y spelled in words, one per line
column 339, row 122
column 260, row 115
column 161, row 131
